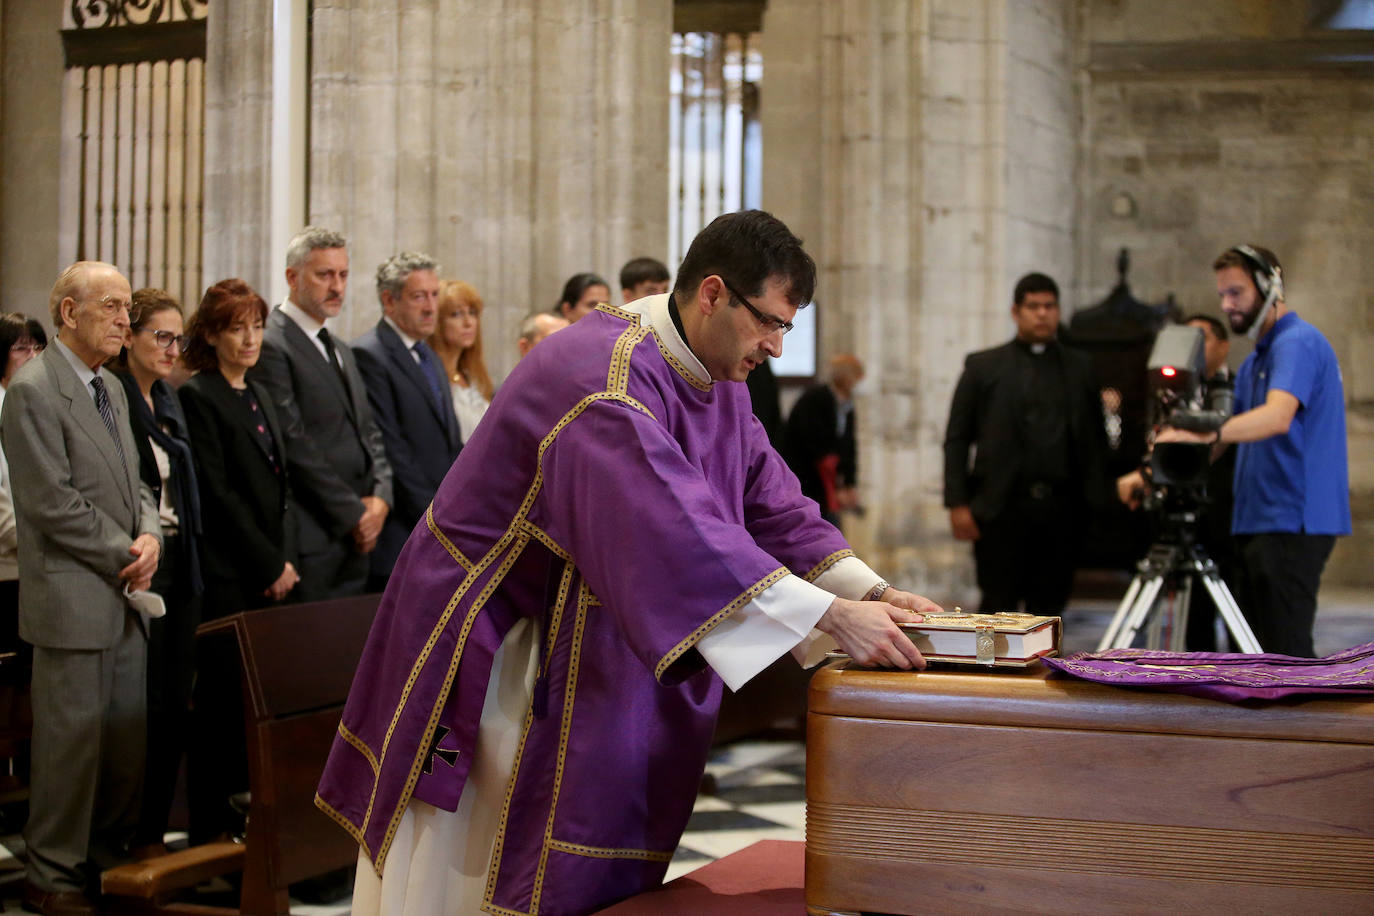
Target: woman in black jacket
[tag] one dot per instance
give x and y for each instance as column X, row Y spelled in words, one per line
column 250, row 530
column 165, row 463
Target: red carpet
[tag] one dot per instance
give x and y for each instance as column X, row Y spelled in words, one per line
column 764, row 879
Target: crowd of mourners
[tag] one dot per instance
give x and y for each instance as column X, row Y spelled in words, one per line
column 280, row 465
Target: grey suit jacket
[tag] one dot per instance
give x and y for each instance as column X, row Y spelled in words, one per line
column 334, row 449
column 77, row 506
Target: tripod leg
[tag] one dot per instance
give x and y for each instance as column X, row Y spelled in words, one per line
column 1178, row 628
column 1230, row 612
column 1144, row 607
column 1123, row 612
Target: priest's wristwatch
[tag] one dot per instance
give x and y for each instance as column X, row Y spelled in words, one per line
column 876, row 591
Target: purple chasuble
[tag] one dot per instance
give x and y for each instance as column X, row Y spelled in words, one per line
column 628, row 508
column 1234, row 677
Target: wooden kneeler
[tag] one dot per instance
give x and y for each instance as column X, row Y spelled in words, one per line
column 297, row 663
column 150, row 885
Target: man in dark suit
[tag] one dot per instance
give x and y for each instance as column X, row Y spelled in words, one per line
column 1032, row 412
column 88, row 531
column 818, row 439
column 410, row 397
column 338, row 467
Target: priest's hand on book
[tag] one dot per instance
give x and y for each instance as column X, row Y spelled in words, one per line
column 910, row 601
column 867, row 631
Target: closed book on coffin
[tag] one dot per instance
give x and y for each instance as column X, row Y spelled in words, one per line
column 1010, row 639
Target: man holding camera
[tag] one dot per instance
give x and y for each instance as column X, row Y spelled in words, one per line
column 1292, row 496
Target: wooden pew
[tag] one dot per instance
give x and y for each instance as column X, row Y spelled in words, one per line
column 297, row 664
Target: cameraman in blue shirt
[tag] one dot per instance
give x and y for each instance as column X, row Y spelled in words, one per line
column 1292, row 495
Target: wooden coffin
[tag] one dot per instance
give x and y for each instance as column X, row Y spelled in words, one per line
column 958, row 791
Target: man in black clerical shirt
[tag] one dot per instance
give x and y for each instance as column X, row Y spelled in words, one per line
column 1030, row 413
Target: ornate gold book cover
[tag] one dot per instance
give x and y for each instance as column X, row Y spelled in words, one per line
column 993, row 639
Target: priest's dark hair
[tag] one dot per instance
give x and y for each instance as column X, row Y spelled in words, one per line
column 745, row 249
column 1034, row 283
column 220, row 307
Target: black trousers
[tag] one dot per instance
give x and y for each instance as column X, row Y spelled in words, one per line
column 1201, row 635
column 1278, row 593
column 171, row 671
column 338, row 571
column 1027, row 555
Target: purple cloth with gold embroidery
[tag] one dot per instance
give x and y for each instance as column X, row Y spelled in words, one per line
column 641, row 507
column 1233, row 677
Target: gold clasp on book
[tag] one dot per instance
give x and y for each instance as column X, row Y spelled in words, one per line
column 986, row 644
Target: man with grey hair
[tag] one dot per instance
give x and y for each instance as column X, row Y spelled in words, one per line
column 535, row 328
column 337, row 465
column 410, row 397
column 88, row 536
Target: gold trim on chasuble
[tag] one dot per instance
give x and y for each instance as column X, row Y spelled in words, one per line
column 668, row 357
column 512, row 543
column 499, row 842
column 604, row 852
column 442, row 538
column 823, row 566
column 744, row 598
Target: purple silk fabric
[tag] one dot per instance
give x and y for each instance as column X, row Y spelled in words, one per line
column 627, row 510
column 1233, row 677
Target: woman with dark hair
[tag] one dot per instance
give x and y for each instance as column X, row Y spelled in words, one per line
column 166, row 465
column 17, row 347
column 581, row 294
column 250, row 530
column 457, row 340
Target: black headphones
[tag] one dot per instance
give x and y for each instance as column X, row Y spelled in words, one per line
column 1268, row 281
column 1268, row 278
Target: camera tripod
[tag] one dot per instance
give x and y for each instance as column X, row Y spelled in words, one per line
column 1176, row 559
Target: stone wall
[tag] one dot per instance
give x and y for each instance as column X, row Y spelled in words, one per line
column 30, row 131
column 927, row 159
column 1186, row 160
column 518, row 143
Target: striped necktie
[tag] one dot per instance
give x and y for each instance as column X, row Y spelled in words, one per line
column 102, row 404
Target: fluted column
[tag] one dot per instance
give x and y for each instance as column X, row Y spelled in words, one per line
column 238, row 144
column 886, row 126
column 518, row 142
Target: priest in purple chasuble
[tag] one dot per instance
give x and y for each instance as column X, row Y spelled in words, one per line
column 616, row 544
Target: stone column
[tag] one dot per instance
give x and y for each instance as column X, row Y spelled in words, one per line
column 238, row 145
column 31, row 127
column 518, row 143
column 886, row 146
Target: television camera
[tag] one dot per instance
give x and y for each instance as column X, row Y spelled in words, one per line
column 1177, row 492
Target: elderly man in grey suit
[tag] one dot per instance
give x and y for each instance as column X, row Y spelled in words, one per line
column 88, row 533
column 338, row 466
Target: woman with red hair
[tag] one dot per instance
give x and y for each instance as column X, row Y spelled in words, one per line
column 457, row 339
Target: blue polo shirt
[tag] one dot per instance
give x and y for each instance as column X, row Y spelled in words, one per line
column 1297, row 482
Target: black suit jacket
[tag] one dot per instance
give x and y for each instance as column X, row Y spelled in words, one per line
column 985, row 414
column 248, row 521
column 811, row 433
column 335, row 447
column 422, row 437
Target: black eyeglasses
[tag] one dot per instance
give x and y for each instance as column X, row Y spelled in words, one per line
column 165, row 339
column 771, row 322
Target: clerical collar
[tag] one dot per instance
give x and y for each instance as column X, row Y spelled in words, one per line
column 661, row 315
column 1033, row 348
column 675, row 314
